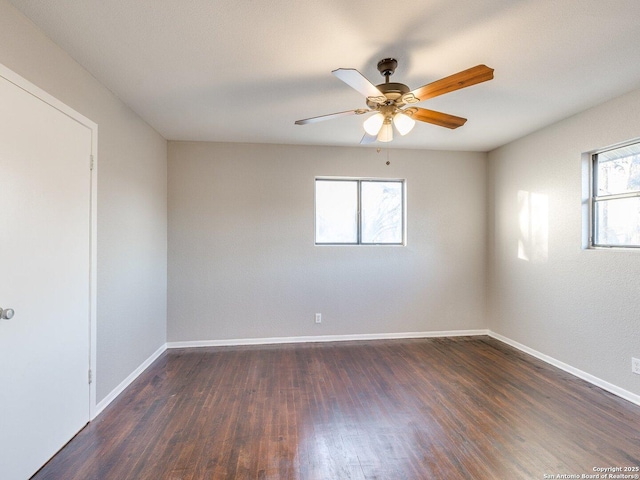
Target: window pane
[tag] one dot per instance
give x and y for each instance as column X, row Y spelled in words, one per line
column 381, row 212
column 618, row 222
column 336, row 211
column 619, row 173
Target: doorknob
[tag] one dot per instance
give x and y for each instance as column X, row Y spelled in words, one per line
column 6, row 313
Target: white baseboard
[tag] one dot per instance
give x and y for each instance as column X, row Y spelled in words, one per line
column 632, row 397
column 609, row 387
column 324, row 338
column 127, row 381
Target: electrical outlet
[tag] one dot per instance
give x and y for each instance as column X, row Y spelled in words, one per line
column 635, row 365
column 318, row 318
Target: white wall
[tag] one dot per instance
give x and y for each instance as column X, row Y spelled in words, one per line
column 131, row 286
column 242, row 260
column 581, row 307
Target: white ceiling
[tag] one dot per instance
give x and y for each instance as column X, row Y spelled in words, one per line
column 245, row 70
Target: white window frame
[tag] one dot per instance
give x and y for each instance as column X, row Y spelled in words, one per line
column 595, row 198
column 360, row 181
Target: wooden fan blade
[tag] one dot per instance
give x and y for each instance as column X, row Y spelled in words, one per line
column 367, row 139
column 331, row 116
column 357, row 81
column 436, row 118
column 466, row 78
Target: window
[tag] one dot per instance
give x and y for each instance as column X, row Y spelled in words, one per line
column 360, row 212
column 615, row 207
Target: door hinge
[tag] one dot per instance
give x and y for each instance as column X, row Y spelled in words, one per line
column 90, row 162
column 90, row 376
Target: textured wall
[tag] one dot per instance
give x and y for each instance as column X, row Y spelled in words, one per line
column 242, row 259
column 132, row 223
column 547, row 292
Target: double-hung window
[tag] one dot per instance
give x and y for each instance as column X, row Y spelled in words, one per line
column 359, row 211
column 615, row 208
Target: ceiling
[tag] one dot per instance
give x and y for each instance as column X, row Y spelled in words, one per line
column 245, row 70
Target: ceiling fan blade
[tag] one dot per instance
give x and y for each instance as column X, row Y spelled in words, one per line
column 331, row 116
column 357, row 81
column 466, row 78
column 435, row 118
column 367, row 139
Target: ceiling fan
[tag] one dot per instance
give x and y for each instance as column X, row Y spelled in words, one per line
column 390, row 101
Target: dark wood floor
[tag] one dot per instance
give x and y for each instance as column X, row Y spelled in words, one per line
column 456, row 408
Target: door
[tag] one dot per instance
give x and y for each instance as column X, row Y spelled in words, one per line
column 45, row 205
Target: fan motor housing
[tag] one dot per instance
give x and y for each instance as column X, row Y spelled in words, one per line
column 393, row 91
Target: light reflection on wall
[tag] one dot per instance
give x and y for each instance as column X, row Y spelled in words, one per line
column 533, row 219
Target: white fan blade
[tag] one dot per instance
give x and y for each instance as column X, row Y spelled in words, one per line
column 357, row 81
column 367, row 139
column 330, row 116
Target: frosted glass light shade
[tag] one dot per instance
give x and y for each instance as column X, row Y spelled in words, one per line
column 386, row 133
column 372, row 124
column 404, row 123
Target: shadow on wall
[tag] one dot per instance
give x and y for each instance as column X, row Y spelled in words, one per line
column 533, row 238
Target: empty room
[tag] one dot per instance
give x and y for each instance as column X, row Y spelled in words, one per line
column 319, row 240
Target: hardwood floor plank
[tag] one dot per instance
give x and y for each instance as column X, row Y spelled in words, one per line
column 445, row 408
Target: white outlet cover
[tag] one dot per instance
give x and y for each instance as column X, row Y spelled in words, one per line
column 635, row 365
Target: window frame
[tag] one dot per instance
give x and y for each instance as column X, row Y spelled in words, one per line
column 595, row 199
column 359, row 181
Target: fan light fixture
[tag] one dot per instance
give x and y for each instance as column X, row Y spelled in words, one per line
column 386, row 132
column 404, row 123
column 379, row 125
column 373, row 124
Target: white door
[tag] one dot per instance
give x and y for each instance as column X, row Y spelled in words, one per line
column 45, row 195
